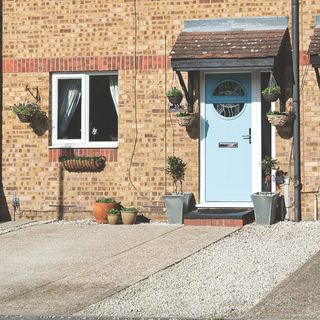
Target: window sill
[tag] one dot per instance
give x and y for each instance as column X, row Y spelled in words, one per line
column 109, row 145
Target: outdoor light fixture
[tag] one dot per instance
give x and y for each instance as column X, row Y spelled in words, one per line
column 15, row 204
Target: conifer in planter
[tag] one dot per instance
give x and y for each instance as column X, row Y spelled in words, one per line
column 177, row 203
column 265, row 203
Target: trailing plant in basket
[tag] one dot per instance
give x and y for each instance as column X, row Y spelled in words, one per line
column 272, row 90
column 26, row 111
column 83, row 164
column 274, row 113
column 183, row 114
column 176, row 168
column 174, row 92
column 95, row 158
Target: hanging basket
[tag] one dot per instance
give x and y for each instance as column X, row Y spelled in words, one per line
column 175, row 100
column 271, row 97
column 24, row 117
column 185, row 121
column 279, row 120
column 82, row 164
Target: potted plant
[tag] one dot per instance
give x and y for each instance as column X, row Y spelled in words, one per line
column 174, row 96
column 113, row 216
column 265, row 203
column 26, row 111
column 176, row 203
column 271, row 93
column 101, row 207
column 184, row 119
column 279, row 119
column 129, row 215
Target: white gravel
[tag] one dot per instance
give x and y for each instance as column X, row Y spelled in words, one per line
column 224, row 280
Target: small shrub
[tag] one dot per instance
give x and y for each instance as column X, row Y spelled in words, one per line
column 274, row 113
column 105, row 200
column 174, row 92
column 28, row 109
column 129, row 209
column 272, row 90
column 182, row 114
column 113, row 211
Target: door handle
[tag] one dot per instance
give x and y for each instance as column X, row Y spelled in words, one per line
column 247, row 136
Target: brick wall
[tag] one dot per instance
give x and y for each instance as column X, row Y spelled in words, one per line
column 40, row 37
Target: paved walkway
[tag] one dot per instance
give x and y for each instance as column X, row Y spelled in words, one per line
column 298, row 297
column 57, row 270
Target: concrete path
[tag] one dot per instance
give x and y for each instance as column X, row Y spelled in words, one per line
column 56, row 269
column 298, row 297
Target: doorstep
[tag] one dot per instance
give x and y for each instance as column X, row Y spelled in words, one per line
column 219, row 217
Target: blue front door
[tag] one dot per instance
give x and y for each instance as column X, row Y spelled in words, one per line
column 228, row 151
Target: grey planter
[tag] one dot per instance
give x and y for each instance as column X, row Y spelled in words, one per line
column 265, row 207
column 177, row 205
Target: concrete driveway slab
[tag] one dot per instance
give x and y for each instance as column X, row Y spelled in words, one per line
column 297, row 297
column 60, row 269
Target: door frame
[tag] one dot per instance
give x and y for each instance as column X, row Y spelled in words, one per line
column 256, row 180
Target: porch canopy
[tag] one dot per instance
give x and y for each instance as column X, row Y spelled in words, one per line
column 261, row 43
column 314, row 48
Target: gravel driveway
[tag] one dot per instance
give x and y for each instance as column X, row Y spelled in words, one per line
column 225, row 279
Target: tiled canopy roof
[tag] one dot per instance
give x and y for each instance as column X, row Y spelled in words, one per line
column 255, row 43
column 314, row 48
column 228, row 44
column 315, row 43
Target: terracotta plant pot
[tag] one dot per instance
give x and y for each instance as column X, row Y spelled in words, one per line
column 129, row 217
column 113, row 218
column 100, row 211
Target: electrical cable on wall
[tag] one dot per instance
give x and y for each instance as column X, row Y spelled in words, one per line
column 135, row 107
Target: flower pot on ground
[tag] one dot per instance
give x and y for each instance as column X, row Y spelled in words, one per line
column 184, row 119
column 129, row 215
column 101, row 207
column 279, row 119
column 174, row 96
column 265, row 203
column 265, row 207
column 271, row 93
column 178, row 203
column 113, row 216
column 26, row 111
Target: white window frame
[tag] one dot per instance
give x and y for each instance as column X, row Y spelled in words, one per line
column 83, row 142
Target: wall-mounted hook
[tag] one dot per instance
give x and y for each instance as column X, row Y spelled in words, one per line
column 35, row 96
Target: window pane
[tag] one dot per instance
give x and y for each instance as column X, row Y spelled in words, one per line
column 69, row 109
column 103, row 108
